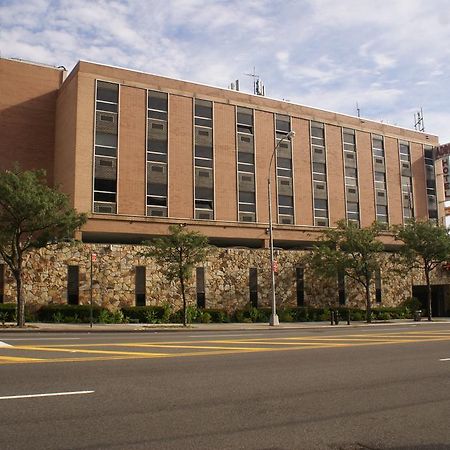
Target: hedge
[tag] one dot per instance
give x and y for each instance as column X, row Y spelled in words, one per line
column 8, row 312
column 69, row 313
column 147, row 314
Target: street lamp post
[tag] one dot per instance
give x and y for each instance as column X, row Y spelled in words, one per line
column 274, row 321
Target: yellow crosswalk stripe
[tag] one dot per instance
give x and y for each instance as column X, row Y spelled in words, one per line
column 212, row 347
column 18, row 359
column 75, row 350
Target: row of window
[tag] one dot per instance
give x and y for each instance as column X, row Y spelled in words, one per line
column 106, row 147
column 140, row 286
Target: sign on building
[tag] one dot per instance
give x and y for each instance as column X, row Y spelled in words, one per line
column 441, row 151
column 446, row 174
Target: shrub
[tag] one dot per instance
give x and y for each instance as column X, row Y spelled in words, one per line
column 176, row 316
column 300, row 314
column 104, row 316
column 357, row 315
column 389, row 313
column 7, row 312
column 217, row 315
column 68, row 313
column 242, row 316
column 251, row 314
column 204, row 317
column 145, row 314
column 412, row 304
column 286, row 315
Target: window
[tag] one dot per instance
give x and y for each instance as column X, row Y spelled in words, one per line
column 431, row 182
column 379, row 178
column 157, row 153
column 253, row 286
column 204, row 159
column 106, row 147
column 200, row 287
column 319, row 174
column 73, row 283
column 407, row 191
column 140, row 285
column 284, row 170
column 246, row 164
column 300, row 284
column 378, row 286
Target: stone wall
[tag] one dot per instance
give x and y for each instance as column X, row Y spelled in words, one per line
column 226, row 278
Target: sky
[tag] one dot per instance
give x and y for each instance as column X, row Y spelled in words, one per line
column 391, row 57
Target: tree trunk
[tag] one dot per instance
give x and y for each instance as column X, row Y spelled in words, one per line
column 427, row 278
column 368, row 304
column 183, row 294
column 20, row 300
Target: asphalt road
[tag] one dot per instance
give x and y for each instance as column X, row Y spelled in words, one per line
column 375, row 388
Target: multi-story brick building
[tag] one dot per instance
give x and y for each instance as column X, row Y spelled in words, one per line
column 139, row 152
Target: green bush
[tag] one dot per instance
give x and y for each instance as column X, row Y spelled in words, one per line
column 300, row 314
column 68, row 313
column 242, row 316
column 357, row 315
column 7, row 312
column 286, row 315
column 411, row 305
column 217, row 315
column 146, row 314
column 386, row 313
column 252, row 315
column 203, row 316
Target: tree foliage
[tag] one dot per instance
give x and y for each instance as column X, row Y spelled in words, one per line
column 177, row 254
column 32, row 215
column 349, row 250
column 425, row 246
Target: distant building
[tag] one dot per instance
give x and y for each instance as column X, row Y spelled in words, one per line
column 139, row 152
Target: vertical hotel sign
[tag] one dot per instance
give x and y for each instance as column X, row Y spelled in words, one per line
column 446, row 173
column 443, row 152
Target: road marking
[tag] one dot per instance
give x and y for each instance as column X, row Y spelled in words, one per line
column 4, row 344
column 196, row 336
column 51, row 394
column 445, row 359
column 72, row 350
column 43, row 339
column 18, row 359
column 212, row 346
column 190, row 346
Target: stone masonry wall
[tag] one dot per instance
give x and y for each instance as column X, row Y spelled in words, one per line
column 226, row 279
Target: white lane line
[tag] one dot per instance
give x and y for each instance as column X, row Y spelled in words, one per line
column 4, row 344
column 51, row 394
column 445, row 359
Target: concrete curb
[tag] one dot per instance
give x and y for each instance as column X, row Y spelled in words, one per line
column 177, row 328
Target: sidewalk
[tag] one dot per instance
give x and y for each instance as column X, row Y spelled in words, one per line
column 132, row 327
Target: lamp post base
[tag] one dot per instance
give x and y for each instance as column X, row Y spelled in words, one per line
column 274, row 321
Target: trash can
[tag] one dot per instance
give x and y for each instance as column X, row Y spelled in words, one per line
column 418, row 315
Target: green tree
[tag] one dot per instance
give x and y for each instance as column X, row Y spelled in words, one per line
column 32, row 215
column 425, row 246
column 178, row 254
column 352, row 251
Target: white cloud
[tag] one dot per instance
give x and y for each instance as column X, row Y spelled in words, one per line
column 393, row 58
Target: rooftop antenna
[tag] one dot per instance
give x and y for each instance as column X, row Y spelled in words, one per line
column 358, row 110
column 418, row 121
column 258, row 85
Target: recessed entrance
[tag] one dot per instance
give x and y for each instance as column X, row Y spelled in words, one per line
column 440, row 302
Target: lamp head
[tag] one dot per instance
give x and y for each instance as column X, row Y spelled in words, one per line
column 291, row 134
